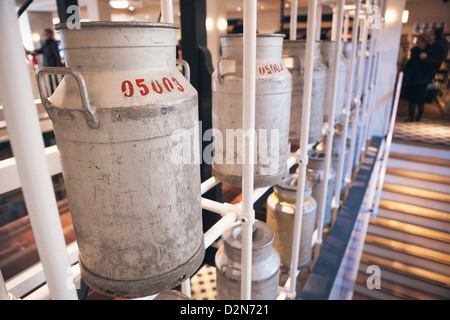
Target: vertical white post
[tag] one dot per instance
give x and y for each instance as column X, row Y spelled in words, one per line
column 307, row 91
column 357, row 101
column 293, row 23
column 4, row 295
column 346, row 22
column 27, row 145
column 167, row 11
column 366, row 98
column 249, row 77
column 346, row 111
column 330, row 134
column 334, row 34
column 319, row 22
column 388, row 145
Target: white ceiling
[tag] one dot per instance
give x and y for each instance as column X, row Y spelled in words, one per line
column 50, row 5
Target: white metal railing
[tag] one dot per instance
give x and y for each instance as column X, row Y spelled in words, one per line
column 62, row 273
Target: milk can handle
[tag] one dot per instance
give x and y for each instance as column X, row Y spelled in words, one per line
column 90, row 111
column 187, row 69
column 220, row 76
column 279, row 206
column 300, row 62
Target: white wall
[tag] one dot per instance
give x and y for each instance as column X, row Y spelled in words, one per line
column 387, row 68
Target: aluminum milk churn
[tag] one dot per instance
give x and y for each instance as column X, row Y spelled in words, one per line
column 327, row 48
column 136, row 210
column 272, row 104
column 315, row 173
column 265, row 264
column 280, row 216
column 295, row 51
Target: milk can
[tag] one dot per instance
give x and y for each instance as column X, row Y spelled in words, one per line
column 136, row 210
column 295, row 51
column 327, row 49
column 280, row 216
column 272, row 107
column 315, row 173
column 265, row 264
column 336, row 149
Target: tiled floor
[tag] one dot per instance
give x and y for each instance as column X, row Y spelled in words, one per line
column 427, row 131
column 432, row 130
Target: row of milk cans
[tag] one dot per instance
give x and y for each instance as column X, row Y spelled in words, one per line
column 278, row 117
column 117, row 116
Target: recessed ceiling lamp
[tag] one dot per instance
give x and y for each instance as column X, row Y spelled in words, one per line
column 131, row 8
column 405, row 16
column 239, row 8
column 222, row 24
column 118, row 4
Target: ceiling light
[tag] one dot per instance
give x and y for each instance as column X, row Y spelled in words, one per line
column 119, row 4
column 131, row 8
column 405, row 16
column 209, row 24
column 390, row 16
column 222, row 24
column 239, row 8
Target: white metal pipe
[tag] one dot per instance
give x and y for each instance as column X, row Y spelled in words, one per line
column 364, row 111
column 4, row 295
column 293, row 23
column 208, row 185
column 167, row 11
column 379, row 38
column 219, row 227
column 346, row 111
column 28, row 148
column 330, row 133
column 186, row 287
column 346, row 23
column 351, row 152
column 319, row 21
column 390, row 134
column 249, row 83
column 306, row 110
column 334, row 31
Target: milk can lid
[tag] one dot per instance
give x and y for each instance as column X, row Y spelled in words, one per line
column 287, row 188
column 119, row 24
column 263, row 236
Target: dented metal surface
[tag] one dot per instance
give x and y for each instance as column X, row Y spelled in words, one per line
column 136, row 212
column 272, row 103
column 296, row 50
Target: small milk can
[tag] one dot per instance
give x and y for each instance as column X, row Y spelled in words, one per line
column 295, row 51
column 327, row 48
column 336, row 149
column 280, row 216
column 265, row 264
column 315, row 173
column 272, row 107
column 136, row 209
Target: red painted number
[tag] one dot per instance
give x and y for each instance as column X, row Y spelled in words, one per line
column 168, row 85
column 127, row 88
column 144, row 88
column 273, row 68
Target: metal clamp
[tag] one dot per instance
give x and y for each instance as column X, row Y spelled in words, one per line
column 186, row 68
column 90, row 111
column 221, row 76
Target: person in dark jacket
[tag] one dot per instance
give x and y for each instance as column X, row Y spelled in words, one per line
column 49, row 50
column 419, row 72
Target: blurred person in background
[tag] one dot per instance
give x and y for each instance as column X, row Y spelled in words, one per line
column 420, row 71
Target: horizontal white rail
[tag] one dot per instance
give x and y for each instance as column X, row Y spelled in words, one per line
column 10, row 176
